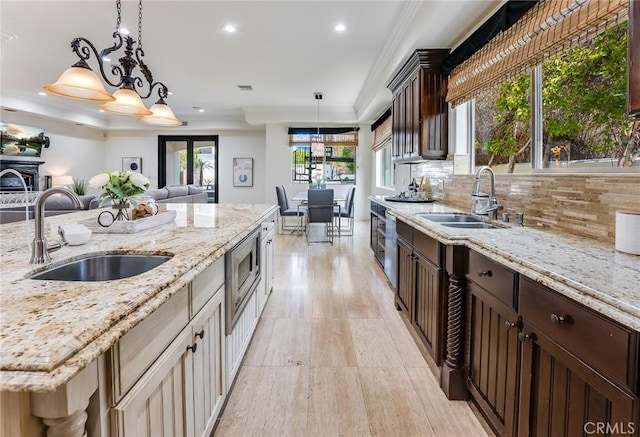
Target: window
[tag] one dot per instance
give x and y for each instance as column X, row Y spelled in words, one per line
column 326, row 157
column 385, row 170
column 584, row 107
column 582, row 94
column 502, row 127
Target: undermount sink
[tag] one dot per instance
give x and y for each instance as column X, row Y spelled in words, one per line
column 451, row 218
column 473, row 225
column 102, row 267
column 459, row 221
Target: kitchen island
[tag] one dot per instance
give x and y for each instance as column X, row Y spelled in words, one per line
column 540, row 329
column 52, row 332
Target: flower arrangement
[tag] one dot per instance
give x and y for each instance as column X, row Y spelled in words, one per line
column 119, row 186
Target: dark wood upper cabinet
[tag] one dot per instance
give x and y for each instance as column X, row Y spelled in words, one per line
column 420, row 111
column 633, row 100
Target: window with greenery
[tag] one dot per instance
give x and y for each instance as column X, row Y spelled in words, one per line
column 584, row 109
column 502, row 126
column 326, row 157
column 582, row 93
column 385, row 170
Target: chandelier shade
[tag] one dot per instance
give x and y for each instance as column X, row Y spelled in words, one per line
column 82, row 83
column 127, row 102
column 131, row 76
column 162, row 115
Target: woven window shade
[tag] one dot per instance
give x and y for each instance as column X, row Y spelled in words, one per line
column 549, row 27
column 382, row 135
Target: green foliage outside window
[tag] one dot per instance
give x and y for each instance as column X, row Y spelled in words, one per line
column 584, row 108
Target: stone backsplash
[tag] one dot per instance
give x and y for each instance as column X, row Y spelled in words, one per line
column 582, row 205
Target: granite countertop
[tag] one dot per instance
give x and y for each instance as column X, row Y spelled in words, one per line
column 585, row 270
column 51, row 330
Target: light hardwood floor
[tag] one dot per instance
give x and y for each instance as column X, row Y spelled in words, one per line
column 332, row 357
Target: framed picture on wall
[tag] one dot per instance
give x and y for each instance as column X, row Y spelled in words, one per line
column 132, row 164
column 243, row 172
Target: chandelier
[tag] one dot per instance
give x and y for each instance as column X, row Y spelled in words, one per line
column 81, row 82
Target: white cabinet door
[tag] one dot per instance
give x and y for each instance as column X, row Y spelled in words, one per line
column 154, row 406
column 208, row 365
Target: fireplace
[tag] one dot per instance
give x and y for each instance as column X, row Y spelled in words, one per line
column 29, row 170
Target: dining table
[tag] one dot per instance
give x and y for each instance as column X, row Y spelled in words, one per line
column 302, row 198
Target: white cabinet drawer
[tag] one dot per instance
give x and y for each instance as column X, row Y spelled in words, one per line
column 140, row 347
column 205, row 285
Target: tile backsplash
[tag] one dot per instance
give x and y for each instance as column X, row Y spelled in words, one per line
column 582, row 205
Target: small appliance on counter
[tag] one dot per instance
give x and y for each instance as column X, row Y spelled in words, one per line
column 417, row 193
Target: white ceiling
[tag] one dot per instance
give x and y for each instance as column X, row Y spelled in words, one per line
column 286, row 50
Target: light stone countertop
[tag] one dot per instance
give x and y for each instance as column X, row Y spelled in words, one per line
column 585, row 270
column 50, row 330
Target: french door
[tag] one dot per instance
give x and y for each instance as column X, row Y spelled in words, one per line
column 189, row 160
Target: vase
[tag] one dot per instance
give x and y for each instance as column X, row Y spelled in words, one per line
column 122, row 208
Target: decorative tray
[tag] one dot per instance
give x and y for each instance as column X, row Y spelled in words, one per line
column 408, row 199
column 130, row 226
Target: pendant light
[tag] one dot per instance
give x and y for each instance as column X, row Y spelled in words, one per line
column 81, row 82
column 317, row 147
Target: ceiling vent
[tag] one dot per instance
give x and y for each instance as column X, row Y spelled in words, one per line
column 245, row 87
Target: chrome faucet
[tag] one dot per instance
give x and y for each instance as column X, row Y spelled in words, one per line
column 479, row 202
column 40, row 248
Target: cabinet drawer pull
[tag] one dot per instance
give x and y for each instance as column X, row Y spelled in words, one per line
column 193, row 348
column 510, row 325
column 486, row 273
column 524, row 337
column 556, row 319
column 200, row 334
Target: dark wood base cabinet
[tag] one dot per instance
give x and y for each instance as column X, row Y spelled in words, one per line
column 539, row 364
column 561, row 396
column 419, row 286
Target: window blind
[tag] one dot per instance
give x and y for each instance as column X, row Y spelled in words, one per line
column 382, row 135
column 549, row 27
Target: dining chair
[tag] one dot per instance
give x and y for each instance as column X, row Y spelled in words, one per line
column 285, row 210
column 346, row 211
column 320, row 209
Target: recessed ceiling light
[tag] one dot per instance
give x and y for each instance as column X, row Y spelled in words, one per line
column 245, row 87
column 229, row 28
column 340, row 27
column 100, row 110
column 42, row 93
column 198, row 108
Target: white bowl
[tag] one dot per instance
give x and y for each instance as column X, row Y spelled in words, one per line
column 76, row 234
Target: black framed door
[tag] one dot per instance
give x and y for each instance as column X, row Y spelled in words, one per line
column 189, row 160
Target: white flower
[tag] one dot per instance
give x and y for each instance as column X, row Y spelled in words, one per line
column 99, row 180
column 115, row 174
column 139, row 180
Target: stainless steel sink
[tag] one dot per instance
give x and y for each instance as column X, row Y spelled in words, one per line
column 102, row 267
column 474, row 225
column 460, row 221
column 450, row 218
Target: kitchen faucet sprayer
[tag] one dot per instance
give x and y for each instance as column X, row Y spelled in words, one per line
column 479, row 202
column 40, row 248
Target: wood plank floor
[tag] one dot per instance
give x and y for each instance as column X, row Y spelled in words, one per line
column 332, row 357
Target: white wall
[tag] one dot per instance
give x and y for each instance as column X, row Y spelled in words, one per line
column 76, row 151
column 248, row 144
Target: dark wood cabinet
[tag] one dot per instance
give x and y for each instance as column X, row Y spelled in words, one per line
column 419, row 286
column 378, row 230
column 560, row 395
column 420, row 112
column 540, row 364
column 492, row 356
column 406, row 283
